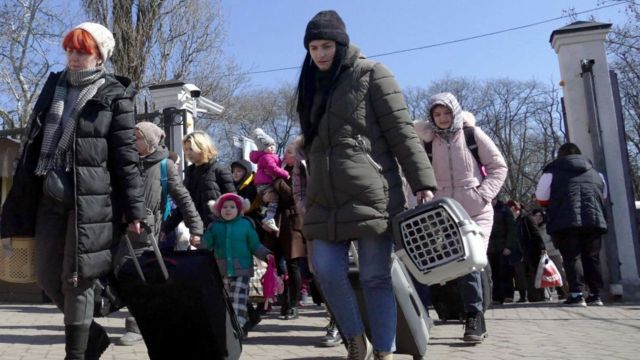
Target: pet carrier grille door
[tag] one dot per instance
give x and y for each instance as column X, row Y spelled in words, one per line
column 438, row 241
column 20, row 266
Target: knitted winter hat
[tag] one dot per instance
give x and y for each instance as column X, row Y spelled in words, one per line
column 152, row 134
column 262, row 139
column 326, row 25
column 216, row 205
column 102, row 36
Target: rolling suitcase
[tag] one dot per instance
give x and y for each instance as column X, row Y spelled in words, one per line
column 180, row 304
column 413, row 324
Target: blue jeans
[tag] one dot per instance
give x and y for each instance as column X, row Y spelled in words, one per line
column 331, row 264
column 470, row 286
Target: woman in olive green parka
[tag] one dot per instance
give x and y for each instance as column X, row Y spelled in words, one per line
column 357, row 133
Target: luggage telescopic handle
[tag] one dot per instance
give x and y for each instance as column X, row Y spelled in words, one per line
column 136, row 263
column 156, row 249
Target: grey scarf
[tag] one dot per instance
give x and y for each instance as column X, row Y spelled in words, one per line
column 57, row 140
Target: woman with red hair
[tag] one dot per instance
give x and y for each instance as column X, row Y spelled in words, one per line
column 76, row 180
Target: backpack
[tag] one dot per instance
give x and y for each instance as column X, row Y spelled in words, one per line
column 470, row 140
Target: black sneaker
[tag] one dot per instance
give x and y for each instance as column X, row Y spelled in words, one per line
column 474, row 328
column 575, row 301
column 594, row 300
column 291, row 313
column 332, row 338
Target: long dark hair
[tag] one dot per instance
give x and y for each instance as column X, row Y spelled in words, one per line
column 307, row 91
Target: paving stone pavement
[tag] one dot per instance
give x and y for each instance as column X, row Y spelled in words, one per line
column 516, row 331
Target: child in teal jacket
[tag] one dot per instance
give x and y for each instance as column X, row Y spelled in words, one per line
column 234, row 242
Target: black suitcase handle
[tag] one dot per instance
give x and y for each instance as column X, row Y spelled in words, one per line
column 156, row 251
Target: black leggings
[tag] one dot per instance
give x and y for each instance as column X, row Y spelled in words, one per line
column 293, row 285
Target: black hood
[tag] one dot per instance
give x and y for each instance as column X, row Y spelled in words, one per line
column 246, row 165
column 161, row 153
column 571, row 163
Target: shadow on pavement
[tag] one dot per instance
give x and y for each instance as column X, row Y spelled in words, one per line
column 324, row 358
column 32, row 327
column 32, row 339
column 285, row 327
column 31, row 309
column 263, row 339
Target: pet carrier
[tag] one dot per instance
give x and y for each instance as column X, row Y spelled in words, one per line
column 438, row 241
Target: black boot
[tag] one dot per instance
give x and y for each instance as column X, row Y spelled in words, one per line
column 98, row 342
column 75, row 338
column 475, row 329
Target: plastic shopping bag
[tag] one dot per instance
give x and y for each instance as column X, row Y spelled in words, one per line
column 255, row 283
column 272, row 284
column 547, row 274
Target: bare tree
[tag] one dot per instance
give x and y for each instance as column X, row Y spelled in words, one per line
column 178, row 39
column 133, row 23
column 189, row 33
column 522, row 117
column 519, row 116
column 417, row 102
column 466, row 90
column 274, row 110
column 29, row 30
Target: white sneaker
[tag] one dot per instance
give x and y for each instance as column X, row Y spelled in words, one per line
column 271, row 225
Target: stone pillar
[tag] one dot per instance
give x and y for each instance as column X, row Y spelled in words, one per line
column 593, row 126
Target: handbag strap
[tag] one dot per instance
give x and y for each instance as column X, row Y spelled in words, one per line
column 165, row 191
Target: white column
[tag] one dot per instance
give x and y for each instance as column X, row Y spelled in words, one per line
column 574, row 43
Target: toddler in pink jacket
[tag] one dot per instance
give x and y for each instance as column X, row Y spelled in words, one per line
column 269, row 170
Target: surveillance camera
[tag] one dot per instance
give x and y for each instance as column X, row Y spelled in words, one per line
column 587, row 64
column 193, row 90
column 210, row 106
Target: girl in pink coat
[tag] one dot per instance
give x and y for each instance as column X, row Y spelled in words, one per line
column 462, row 178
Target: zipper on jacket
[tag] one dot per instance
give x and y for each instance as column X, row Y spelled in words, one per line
column 329, row 153
column 74, row 276
column 361, row 145
column 451, row 167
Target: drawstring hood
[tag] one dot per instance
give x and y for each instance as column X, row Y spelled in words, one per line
column 448, row 100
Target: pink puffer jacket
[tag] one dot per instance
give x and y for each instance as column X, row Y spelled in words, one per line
column 458, row 173
column 269, row 167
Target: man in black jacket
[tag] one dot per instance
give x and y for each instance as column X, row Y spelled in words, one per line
column 574, row 193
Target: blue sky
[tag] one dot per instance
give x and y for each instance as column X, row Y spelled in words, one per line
column 266, row 35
